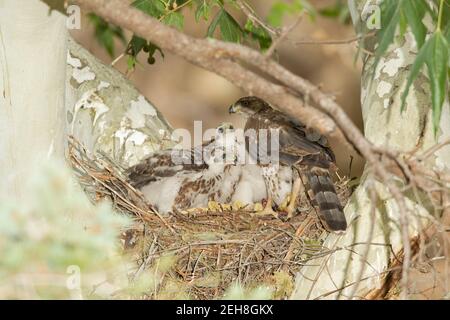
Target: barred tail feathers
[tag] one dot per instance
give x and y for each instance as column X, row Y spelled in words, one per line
column 322, row 193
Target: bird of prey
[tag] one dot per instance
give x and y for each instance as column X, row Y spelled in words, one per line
column 182, row 179
column 298, row 147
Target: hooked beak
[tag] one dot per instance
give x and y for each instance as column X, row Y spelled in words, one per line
column 234, row 108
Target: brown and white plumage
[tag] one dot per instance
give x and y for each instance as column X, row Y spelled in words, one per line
column 181, row 179
column 300, row 148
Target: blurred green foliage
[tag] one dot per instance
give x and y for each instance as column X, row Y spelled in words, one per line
column 52, row 233
column 105, row 33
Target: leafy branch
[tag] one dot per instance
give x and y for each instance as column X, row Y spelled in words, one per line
column 399, row 15
column 433, row 48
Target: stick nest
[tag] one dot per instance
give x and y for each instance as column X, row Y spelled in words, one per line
column 210, row 249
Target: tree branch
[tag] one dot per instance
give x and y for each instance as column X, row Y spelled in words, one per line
column 219, row 57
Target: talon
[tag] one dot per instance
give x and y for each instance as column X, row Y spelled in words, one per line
column 237, row 205
column 284, row 205
column 226, row 207
column 292, row 206
column 258, row 207
column 268, row 210
column 214, row 206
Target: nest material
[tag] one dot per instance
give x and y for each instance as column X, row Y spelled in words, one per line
column 212, row 248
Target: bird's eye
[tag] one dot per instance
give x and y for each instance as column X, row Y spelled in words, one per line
column 220, row 130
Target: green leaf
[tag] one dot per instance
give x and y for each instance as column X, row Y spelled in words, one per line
column 415, row 69
column 229, row 28
column 414, row 12
column 445, row 13
column 131, row 62
column 138, row 44
column 151, row 50
column 154, row 8
column 339, row 10
column 174, row 19
column 277, row 12
column 105, row 33
column 298, row 6
column 259, row 34
column 57, row 5
column 280, row 8
column 403, row 24
column 447, row 34
column 213, row 26
column 203, row 11
column 437, row 64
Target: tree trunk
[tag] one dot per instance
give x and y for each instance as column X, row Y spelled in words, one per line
column 106, row 113
column 51, row 87
column 384, row 125
column 32, row 68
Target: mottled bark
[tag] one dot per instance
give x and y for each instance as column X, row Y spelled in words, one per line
column 106, row 113
column 384, row 126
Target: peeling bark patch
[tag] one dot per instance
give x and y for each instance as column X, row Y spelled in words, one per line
column 122, row 134
column 90, row 100
column 130, row 135
column 393, row 65
column 74, row 62
column 103, row 85
column 383, row 89
column 138, row 110
column 138, row 138
column 83, row 75
column 132, row 142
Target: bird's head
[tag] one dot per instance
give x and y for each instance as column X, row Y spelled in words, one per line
column 223, row 149
column 225, row 135
column 248, row 106
column 224, row 128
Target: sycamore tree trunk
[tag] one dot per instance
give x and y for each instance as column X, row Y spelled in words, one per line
column 32, row 76
column 50, row 87
column 384, row 125
column 106, row 113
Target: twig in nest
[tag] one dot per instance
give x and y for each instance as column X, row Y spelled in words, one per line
column 106, row 175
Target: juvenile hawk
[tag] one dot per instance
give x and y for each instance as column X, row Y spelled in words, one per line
column 181, row 179
column 302, row 149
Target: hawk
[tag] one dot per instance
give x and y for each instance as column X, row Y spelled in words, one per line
column 299, row 148
column 181, row 179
